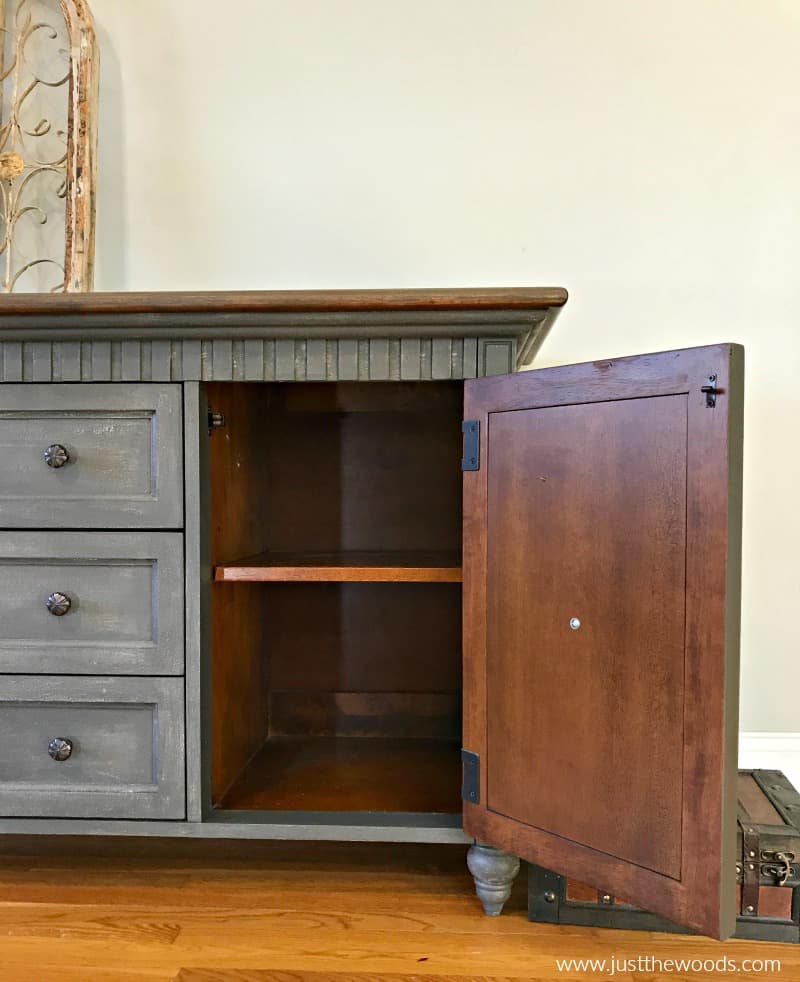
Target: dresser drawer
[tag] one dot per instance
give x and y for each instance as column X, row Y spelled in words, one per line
column 121, row 744
column 92, row 603
column 83, row 456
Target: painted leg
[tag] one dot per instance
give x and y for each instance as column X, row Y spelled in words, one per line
column 494, row 872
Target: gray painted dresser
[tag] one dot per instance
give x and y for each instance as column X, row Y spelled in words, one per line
column 105, row 573
column 271, row 566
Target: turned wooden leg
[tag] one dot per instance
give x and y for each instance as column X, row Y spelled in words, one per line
column 494, row 872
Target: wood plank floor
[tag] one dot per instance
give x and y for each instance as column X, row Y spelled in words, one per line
column 298, row 912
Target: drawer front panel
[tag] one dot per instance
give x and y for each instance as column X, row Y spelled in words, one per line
column 115, row 456
column 91, row 603
column 122, row 741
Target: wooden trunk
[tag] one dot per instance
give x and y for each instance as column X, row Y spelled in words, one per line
column 767, row 883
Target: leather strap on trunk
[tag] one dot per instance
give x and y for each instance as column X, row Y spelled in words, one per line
column 750, row 866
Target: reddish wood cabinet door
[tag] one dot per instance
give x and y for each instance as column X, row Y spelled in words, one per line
column 601, row 623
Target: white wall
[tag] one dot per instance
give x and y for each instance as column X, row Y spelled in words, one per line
column 644, row 155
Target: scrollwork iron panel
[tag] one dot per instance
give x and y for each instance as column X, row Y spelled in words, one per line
column 48, row 98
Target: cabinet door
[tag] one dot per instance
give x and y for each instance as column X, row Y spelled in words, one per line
column 601, row 624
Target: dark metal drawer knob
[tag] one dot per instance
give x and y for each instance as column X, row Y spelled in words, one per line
column 58, row 604
column 60, row 748
column 56, row 456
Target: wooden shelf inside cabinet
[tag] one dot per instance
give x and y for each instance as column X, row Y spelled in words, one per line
column 350, row 774
column 343, row 567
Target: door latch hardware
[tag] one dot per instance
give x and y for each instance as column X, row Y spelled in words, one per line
column 471, row 461
column 782, row 876
column 470, row 789
column 711, row 391
column 215, row 421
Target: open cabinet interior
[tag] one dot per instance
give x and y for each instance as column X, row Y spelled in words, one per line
column 335, row 517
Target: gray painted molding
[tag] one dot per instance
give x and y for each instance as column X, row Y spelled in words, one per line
column 309, row 831
column 260, row 359
column 198, row 600
column 65, row 325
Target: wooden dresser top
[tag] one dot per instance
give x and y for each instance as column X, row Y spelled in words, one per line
column 285, row 334
column 41, row 305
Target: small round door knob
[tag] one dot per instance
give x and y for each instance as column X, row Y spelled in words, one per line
column 58, row 604
column 60, row 748
column 56, row 456
column 574, row 623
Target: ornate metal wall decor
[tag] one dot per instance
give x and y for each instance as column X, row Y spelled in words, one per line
column 48, row 145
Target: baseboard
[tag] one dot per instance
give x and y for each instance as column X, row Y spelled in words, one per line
column 775, row 751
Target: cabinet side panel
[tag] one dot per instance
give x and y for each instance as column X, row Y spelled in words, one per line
column 198, row 583
column 239, row 664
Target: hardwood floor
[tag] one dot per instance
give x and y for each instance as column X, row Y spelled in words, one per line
column 298, row 912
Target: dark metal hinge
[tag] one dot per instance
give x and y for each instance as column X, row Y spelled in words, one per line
column 471, row 786
column 471, row 461
column 711, row 391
